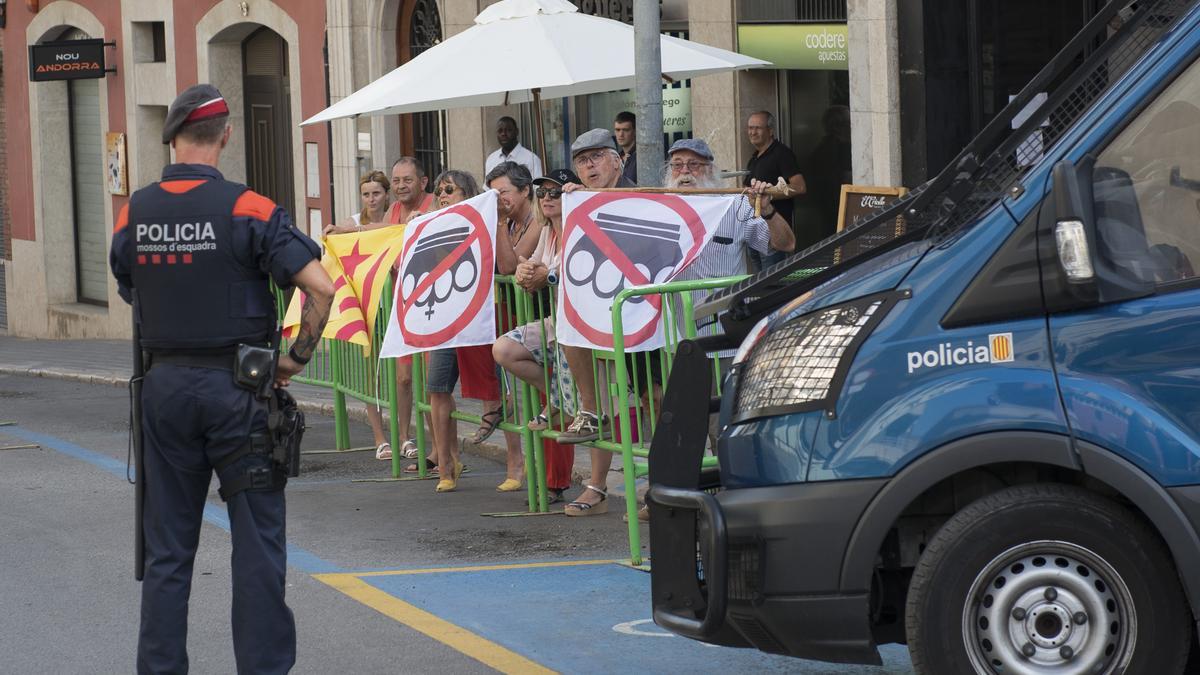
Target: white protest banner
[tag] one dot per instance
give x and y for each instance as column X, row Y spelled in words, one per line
column 616, row 240
column 444, row 287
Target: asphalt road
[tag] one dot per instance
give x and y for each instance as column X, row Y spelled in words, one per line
column 384, row 576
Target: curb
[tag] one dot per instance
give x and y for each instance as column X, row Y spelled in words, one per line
column 358, row 413
column 487, row 450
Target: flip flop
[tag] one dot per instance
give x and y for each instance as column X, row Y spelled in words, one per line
column 430, row 466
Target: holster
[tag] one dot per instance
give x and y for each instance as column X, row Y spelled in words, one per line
column 254, row 369
column 286, row 424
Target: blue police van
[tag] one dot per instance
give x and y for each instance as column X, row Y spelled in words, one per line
column 970, row 422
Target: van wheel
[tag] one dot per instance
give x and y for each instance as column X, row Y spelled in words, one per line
column 1046, row 578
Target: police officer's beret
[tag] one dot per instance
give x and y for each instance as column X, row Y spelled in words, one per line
column 696, row 145
column 198, row 102
column 589, row 140
column 560, row 176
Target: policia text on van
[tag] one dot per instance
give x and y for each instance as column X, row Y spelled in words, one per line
column 1033, row 509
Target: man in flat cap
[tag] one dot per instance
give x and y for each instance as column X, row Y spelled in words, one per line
column 195, row 254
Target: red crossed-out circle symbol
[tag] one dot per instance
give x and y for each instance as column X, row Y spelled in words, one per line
column 581, row 219
column 483, row 288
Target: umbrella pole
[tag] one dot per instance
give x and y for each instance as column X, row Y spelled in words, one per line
column 537, row 123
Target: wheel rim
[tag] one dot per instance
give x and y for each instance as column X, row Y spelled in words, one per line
column 1049, row 607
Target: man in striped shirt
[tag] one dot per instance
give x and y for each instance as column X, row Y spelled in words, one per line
column 690, row 164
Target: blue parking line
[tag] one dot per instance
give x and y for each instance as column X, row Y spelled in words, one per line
column 297, row 557
column 593, row 618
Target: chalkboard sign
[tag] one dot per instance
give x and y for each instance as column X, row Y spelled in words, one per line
column 859, row 201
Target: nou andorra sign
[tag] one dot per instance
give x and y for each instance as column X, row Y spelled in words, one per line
column 66, row 60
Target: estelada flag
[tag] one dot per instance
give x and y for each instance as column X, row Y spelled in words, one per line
column 358, row 263
column 444, row 293
column 618, row 240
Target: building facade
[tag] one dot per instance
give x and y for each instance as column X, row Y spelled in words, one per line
column 281, row 61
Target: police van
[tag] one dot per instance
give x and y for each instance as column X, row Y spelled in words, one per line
column 969, row 423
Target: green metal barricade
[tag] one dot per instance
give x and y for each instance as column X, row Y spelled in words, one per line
column 624, row 385
column 513, row 308
column 347, row 371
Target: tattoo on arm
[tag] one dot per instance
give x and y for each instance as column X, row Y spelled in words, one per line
column 312, row 323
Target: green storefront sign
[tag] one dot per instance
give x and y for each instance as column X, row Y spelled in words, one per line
column 794, row 46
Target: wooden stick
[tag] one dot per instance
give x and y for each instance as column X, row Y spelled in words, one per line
column 772, row 191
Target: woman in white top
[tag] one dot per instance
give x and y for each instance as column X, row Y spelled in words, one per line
column 373, row 189
column 524, row 350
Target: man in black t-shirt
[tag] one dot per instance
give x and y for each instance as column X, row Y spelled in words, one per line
column 771, row 160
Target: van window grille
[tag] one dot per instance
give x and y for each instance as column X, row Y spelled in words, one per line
column 978, row 179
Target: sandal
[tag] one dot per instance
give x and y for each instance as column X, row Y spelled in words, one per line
column 383, row 450
column 579, row 508
column 487, row 425
column 543, row 419
column 409, row 449
column 431, row 467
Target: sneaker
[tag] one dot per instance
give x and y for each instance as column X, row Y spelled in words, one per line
column 584, row 429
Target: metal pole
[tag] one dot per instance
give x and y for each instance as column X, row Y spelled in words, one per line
column 537, row 125
column 647, row 59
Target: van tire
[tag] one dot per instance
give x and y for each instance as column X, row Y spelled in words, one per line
column 1069, row 559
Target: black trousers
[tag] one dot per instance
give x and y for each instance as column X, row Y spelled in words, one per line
column 193, row 417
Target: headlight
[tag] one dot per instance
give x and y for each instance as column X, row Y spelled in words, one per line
column 752, row 339
column 794, row 366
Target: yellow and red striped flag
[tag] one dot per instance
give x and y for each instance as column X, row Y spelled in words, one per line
column 358, row 263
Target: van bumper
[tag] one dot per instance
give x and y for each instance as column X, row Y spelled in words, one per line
column 759, row 567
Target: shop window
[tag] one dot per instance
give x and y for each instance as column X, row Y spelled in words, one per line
column 787, row 11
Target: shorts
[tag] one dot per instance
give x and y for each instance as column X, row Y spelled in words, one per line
column 531, row 335
column 561, row 385
column 443, row 372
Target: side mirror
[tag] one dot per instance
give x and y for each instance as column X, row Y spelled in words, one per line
column 1102, row 249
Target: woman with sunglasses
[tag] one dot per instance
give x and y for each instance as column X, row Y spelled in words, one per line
column 524, row 350
column 451, row 187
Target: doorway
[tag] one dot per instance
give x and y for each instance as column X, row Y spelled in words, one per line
column 268, row 116
column 422, row 135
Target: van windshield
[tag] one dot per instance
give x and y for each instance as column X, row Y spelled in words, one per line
column 983, row 173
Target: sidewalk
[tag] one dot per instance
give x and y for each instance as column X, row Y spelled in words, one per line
column 110, row 362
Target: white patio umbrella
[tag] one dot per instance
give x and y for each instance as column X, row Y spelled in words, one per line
column 519, row 51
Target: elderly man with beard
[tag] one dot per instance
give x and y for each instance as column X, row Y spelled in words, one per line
column 690, row 165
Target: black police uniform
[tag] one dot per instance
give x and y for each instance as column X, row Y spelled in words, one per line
column 197, row 251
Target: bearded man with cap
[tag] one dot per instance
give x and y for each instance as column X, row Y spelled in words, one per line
column 195, row 253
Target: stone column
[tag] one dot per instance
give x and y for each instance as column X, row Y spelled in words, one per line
column 343, row 135
column 874, row 91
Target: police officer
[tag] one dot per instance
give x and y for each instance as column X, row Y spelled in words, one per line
column 194, row 253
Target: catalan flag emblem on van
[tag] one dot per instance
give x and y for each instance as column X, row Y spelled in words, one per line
column 1001, row 347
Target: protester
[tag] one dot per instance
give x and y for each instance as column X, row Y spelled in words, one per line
column 511, row 150
column 409, row 200
column 598, row 165
column 625, row 133
column 373, row 190
column 771, row 161
column 516, row 238
column 690, row 165
column 451, row 188
column 524, row 351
